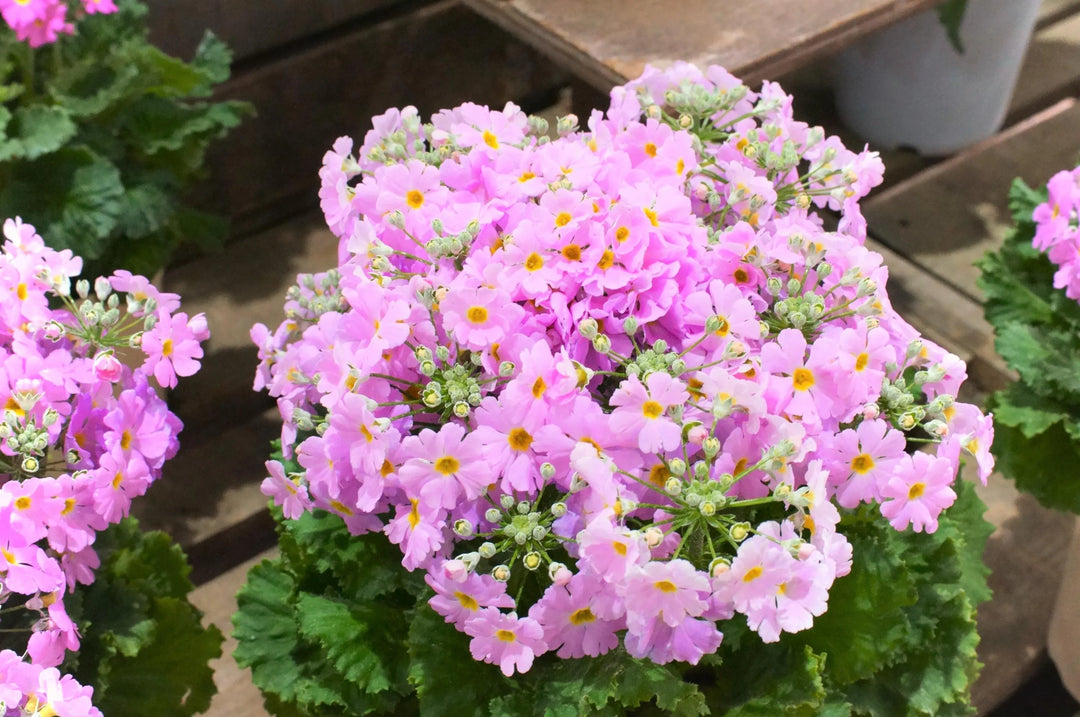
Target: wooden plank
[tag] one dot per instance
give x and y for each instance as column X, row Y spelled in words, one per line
column 1026, row 555
column 249, row 26
column 237, row 695
column 946, row 317
column 242, row 285
column 606, row 43
column 946, row 217
column 439, row 56
column 1051, row 69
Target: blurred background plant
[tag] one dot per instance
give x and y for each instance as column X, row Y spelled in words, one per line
column 101, row 132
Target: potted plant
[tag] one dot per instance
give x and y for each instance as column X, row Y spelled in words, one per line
column 938, row 81
column 609, row 421
column 101, row 133
column 1031, row 287
column 95, row 612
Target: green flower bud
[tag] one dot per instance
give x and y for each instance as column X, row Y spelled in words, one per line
column 493, row 515
column 487, row 550
column 532, row 560
column 463, row 528
column 501, row 573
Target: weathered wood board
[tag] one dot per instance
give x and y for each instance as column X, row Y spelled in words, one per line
column 945, row 218
column 237, row 695
column 253, row 26
column 437, row 56
column 606, row 43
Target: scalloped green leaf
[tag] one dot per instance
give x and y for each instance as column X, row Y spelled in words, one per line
column 361, row 658
column 1019, row 407
column 36, row 130
column 213, row 59
column 266, row 630
column 170, row 675
column 1039, row 464
column 71, row 196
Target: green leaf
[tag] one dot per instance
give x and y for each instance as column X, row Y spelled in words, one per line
column 367, row 628
column 266, row 629
column 447, row 680
column 330, row 548
column 212, row 59
column 170, row 675
column 144, row 649
column 778, row 680
column 865, row 624
column 1040, row 464
column 144, row 209
column 1018, row 406
column 35, row 130
column 951, row 15
column 72, row 197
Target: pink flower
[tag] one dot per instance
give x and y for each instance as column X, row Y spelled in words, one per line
column 918, row 491
column 505, row 640
column 107, row 367
column 172, row 349
column 668, row 591
column 292, row 498
column 573, row 619
column 460, row 601
column 443, row 466
column 641, row 408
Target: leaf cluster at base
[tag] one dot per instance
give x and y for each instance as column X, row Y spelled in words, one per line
column 336, row 626
column 1037, row 327
column 144, row 648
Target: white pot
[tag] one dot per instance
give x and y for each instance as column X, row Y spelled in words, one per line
column 907, row 86
column 1063, row 640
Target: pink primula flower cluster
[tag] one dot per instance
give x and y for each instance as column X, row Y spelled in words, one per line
column 1057, row 229
column 40, row 22
column 605, row 364
column 82, row 434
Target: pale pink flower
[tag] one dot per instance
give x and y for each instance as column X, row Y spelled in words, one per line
column 505, row 640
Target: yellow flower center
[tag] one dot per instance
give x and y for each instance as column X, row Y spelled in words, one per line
column 753, row 574
column 861, row 361
column 505, row 635
column 862, row 463
column 618, row 547
column 651, row 409
column 538, row 387
column 21, row 291
column 23, row 502
column 607, row 259
column 563, row 219
column 622, row 234
column 467, row 601
column 447, row 465
column 652, row 216
column 490, row 139
column 519, row 439
column 477, row 314
column 414, row 514
column 725, row 327
column 572, row 252
column 414, row 198
column 659, row 474
column 665, row 586
column 166, row 347
column 534, row 262
column 582, row 616
column 802, row 379
column 916, row 491
column 650, row 149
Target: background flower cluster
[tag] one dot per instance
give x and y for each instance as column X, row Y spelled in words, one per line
column 83, row 432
